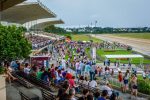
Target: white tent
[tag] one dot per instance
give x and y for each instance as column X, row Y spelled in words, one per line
column 130, row 56
column 124, row 56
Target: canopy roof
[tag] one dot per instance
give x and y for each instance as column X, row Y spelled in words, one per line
column 26, row 12
column 5, row 4
column 123, row 56
column 43, row 25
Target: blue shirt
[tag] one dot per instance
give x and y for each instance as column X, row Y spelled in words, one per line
column 101, row 98
column 87, row 68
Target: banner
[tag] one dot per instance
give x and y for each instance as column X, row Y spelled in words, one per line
column 94, row 53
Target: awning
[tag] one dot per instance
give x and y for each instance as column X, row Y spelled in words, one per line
column 44, row 24
column 124, row 56
column 25, row 12
column 5, row 4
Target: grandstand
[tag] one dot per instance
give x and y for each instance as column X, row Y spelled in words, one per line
column 14, row 11
column 42, row 25
column 56, row 66
column 5, row 4
column 26, row 12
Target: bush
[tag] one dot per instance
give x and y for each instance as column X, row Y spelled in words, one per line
column 1, row 70
column 129, row 48
column 144, row 86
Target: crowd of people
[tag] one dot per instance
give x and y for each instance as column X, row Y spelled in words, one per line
column 38, row 41
column 113, row 45
column 72, row 56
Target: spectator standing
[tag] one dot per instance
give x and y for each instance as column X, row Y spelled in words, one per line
column 120, row 79
column 27, row 68
column 134, row 85
column 126, row 81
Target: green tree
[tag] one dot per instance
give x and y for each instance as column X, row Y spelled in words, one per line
column 54, row 29
column 13, row 44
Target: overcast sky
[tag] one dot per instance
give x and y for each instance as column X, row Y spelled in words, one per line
column 108, row 13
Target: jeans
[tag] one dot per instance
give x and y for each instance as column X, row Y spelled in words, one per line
column 92, row 75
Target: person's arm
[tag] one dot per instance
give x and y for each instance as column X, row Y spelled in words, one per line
column 95, row 84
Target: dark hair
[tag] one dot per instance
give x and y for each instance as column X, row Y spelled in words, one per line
column 73, row 77
column 113, row 96
column 26, row 64
column 104, row 93
column 65, row 86
column 96, row 94
column 56, row 68
column 81, row 78
column 34, row 68
column 90, row 97
column 60, row 92
column 85, row 91
column 49, row 69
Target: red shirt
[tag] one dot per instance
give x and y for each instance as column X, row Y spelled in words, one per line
column 68, row 76
column 120, row 78
column 71, row 83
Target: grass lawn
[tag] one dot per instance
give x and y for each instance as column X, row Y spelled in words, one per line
column 84, row 38
column 134, row 35
column 101, row 53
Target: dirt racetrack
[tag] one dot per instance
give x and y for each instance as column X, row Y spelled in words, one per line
column 139, row 45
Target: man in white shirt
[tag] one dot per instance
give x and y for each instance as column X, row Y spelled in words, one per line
column 63, row 63
column 93, row 83
column 108, row 88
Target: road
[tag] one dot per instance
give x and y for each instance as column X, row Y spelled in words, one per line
column 139, row 45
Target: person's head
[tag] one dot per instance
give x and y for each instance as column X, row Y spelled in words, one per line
column 85, row 92
column 42, row 69
column 34, row 68
column 96, row 94
column 81, row 78
column 73, row 77
column 49, row 69
column 104, row 93
column 127, row 71
column 72, row 92
column 66, row 86
column 56, row 68
column 120, row 72
column 26, row 64
column 90, row 97
column 133, row 75
column 7, row 64
column 113, row 96
column 52, row 65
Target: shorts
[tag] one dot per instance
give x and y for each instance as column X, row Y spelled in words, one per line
column 78, row 71
column 125, row 82
column 134, row 87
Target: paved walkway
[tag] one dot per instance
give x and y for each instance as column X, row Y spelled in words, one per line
column 2, row 88
column 13, row 91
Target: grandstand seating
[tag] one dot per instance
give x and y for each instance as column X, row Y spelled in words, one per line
column 47, row 95
column 23, row 81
